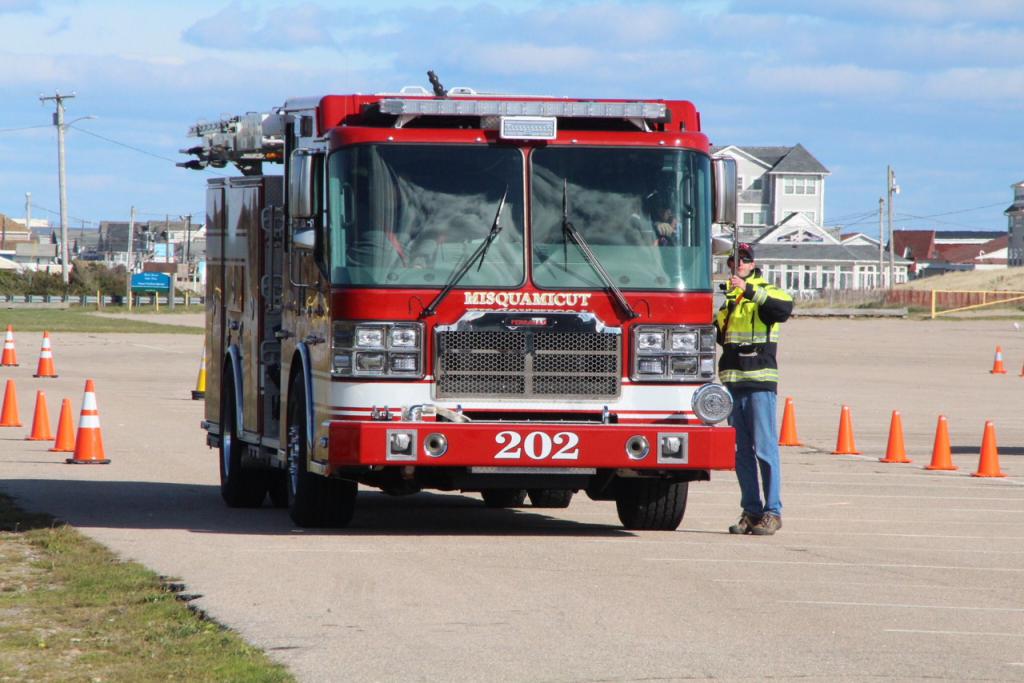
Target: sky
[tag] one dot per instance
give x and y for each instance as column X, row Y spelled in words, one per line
column 934, row 88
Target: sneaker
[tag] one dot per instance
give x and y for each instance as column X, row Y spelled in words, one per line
column 745, row 524
column 767, row 525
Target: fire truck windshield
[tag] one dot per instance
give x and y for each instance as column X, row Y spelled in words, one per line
column 646, row 214
column 409, row 215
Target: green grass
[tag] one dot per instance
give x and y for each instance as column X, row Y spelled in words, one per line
column 83, row 320
column 74, row 612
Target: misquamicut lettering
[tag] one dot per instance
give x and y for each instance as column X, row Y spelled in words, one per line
column 527, row 299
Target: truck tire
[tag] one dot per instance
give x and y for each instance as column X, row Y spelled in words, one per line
column 651, row 504
column 277, row 487
column 550, row 498
column 240, row 488
column 313, row 500
column 503, row 498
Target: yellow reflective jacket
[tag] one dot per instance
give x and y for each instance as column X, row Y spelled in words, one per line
column 748, row 332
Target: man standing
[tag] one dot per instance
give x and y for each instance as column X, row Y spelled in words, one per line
column 748, row 331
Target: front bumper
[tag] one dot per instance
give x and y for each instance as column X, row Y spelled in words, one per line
column 518, row 445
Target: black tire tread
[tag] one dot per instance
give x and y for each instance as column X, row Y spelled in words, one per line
column 651, row 504
column 240, row 488
column 550, row 498
column 319, row 502
column 503, row 498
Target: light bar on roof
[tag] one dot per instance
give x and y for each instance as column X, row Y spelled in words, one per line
column 565, row 108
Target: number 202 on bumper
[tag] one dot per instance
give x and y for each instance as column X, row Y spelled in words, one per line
column 602, row 446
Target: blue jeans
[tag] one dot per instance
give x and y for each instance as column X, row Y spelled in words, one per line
column 757, row 448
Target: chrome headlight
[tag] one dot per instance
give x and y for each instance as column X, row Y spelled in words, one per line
column 712, row 403
column 673, row 353
column 378, row 349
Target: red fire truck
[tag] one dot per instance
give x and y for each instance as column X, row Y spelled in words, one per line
column 465, row 292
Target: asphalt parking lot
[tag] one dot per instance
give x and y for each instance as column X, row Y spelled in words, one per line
column 881, row 570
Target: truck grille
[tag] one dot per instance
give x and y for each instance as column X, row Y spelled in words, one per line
column 556, row 356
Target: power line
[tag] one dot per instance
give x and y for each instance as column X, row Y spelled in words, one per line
column 914, row 218
column 57, row 213
column 975, row 208
column 132, row 147
column 122, row 144
column 12, row 130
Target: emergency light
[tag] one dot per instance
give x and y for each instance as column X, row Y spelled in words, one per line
column 528, row 127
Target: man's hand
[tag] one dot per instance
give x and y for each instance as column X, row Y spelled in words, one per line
column 738, row 283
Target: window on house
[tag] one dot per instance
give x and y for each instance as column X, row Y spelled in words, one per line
column 755, row 217
column 758, row 183
column 799, row 185
column 812, row 216
column 739, row 183
column 793, row 279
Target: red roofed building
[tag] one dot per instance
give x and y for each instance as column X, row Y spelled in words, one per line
column 988, row 256
column 933, row 252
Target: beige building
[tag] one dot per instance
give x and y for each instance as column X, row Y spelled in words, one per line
column 1015, row 220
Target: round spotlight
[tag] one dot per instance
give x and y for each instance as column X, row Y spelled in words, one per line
column 637, row 447
column 712, row 403
column 435, row 445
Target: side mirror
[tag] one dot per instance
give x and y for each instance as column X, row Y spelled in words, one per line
column 304, row 239
column 725, row 190
column 303, row 184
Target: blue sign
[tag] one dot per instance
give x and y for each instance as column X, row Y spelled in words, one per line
column 151, row 282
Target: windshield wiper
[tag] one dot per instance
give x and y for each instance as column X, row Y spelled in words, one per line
column 569, row 231
column 463, row 268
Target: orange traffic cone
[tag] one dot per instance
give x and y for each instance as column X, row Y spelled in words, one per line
column 65, row 442
column 787, row 436
column 89, row 441
column 997, row 364
column 45, row 367
column 41, row 420
column 844, row 444
column 942, row 459
column 9, row 414
column 10, row 356
column 894, row 451
column 988, row 463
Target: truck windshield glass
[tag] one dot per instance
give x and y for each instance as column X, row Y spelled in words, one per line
column 409, row 215
column 646, row 214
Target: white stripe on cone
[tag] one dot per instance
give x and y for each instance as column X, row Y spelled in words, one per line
column 89, row 402
column 89, row 422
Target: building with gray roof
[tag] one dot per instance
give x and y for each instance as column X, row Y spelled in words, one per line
column 775, row 182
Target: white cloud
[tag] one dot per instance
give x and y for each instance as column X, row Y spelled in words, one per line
column 830, row 80
column 977, row 84
column 34, row 6
column 532, row 59
column 284, row 28
column 908, row 10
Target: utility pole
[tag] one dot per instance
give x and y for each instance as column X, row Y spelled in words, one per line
column 881, row 243
column 58, row 120
column 28, row 212
column 893, row 189
column 188, row 238
column 131, row 255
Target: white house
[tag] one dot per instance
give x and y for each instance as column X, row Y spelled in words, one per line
column 775, row 182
